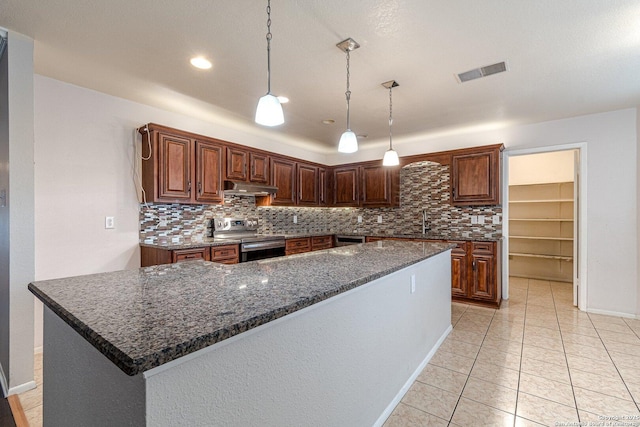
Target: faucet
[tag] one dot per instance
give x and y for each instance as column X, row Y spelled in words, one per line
column 425, row 228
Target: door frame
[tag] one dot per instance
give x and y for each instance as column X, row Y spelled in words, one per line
column 580, row 250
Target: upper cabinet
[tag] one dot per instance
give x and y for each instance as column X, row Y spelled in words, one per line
column 308, row 184
column 180, row 169
column 366, row 184
column 245, row 165
column 475, row 176
column 283, row 176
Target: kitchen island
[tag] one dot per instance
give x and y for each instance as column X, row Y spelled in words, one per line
column 332, row 337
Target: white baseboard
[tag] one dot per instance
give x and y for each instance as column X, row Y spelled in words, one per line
column 612, row 313
column 405, row 388
column 3, row 383
column 22, row 388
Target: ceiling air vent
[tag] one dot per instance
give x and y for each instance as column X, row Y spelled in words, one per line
column 476, row 73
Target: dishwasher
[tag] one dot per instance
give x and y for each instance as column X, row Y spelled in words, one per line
column 342, row 240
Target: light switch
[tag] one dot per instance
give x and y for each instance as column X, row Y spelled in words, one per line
column 474, row 219
column 480, row 219
column 496, row 219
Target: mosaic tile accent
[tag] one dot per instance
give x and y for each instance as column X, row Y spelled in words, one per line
column 423, row 186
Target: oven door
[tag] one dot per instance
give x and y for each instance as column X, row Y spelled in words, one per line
column 252, row 251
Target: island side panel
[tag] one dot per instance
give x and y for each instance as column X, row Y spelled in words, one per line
column 81, row 387
column 341, row 362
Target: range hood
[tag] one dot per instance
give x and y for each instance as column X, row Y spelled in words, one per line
column 248, row 189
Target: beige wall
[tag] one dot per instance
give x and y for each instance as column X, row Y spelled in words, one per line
column 541, row 168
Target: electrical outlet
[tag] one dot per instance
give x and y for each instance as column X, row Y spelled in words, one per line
column 474, row 219
column 359, row 218
column 295, row 219
column 413, row 283
column 379, row 218
column 496, row 219
column 109, row 222
column 480, row 219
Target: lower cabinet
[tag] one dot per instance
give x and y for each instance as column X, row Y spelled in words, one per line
column 475, row 271
column 321, row 242
column 227, row 254
column 297, row 246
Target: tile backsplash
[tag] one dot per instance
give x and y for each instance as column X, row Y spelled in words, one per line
column 423, row 186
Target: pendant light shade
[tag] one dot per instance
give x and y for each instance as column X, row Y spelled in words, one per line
column 390, row 156
column 269, row 111
column 348, row 141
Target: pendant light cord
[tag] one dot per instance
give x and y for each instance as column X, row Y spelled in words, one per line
column 348, row 92
column 390, row 117
column 269, row 36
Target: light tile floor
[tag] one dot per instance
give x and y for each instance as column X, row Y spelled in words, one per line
column 536, row 361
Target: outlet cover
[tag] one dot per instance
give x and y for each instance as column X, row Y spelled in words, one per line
column 109, row 222
column 380, row 218
column 480, row 219
column 496, row 219
column 359, row 218
column 295, row 219
column 474, row 219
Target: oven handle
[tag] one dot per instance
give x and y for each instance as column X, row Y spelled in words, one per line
column 250, row 247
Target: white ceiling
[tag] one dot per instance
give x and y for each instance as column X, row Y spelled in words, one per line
column 565, row 58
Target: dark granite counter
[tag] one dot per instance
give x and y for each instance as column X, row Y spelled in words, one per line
column 141, row 319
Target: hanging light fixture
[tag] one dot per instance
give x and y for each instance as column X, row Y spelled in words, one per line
column 348, row 141
column 269, row 111
column 390, row 156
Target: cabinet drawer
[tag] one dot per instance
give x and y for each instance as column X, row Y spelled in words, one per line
column 460, row 249
column 295, row 244
column 224, row 252
column 190, row 254
column 486, row 247
column 321, row 242
column 227, row 261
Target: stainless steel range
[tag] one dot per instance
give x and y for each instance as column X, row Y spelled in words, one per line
column 253, row 246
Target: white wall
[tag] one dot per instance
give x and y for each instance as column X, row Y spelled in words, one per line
column 541, row 168
column 612, row 191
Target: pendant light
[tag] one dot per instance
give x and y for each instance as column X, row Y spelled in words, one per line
column 390, row 156
column 269, row 111
column 348, row 141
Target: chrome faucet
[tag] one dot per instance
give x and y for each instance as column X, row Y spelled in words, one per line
column 425, row 228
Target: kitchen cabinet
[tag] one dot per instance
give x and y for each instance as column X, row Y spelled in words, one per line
column 245, row 165
column 180, row 169
column 475, row 270
column 308, row 185
column 297, row 245
column 283, row 176
column 226, row 254
column 323, row 187
column 321, row 242
column 475, row 176
column 366, row 185
column 346, row 186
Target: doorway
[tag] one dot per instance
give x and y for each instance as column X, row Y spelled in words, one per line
column 543, row 205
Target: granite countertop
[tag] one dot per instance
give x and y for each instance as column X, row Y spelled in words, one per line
column 143, row 318
column 427, row 236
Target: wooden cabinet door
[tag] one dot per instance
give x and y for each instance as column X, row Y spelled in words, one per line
column 307, row 185
column 236, row 164
column 259, row 168
column 174, row 168
column 283, row 176
column 475, row 178
column 483, row 277
column 209, row 172
column 322, row 187
column 346, row 186
column 376, row 186
column 459, row 262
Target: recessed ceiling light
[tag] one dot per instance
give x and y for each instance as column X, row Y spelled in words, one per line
column 328, row 121
column 283, row 99
column 200, row 62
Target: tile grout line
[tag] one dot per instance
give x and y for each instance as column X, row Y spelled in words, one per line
column 614, row 363
column 524, row 325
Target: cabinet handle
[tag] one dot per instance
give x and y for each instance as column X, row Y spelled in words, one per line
column 189, row 189
column 199, row 188
column 474, row 265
